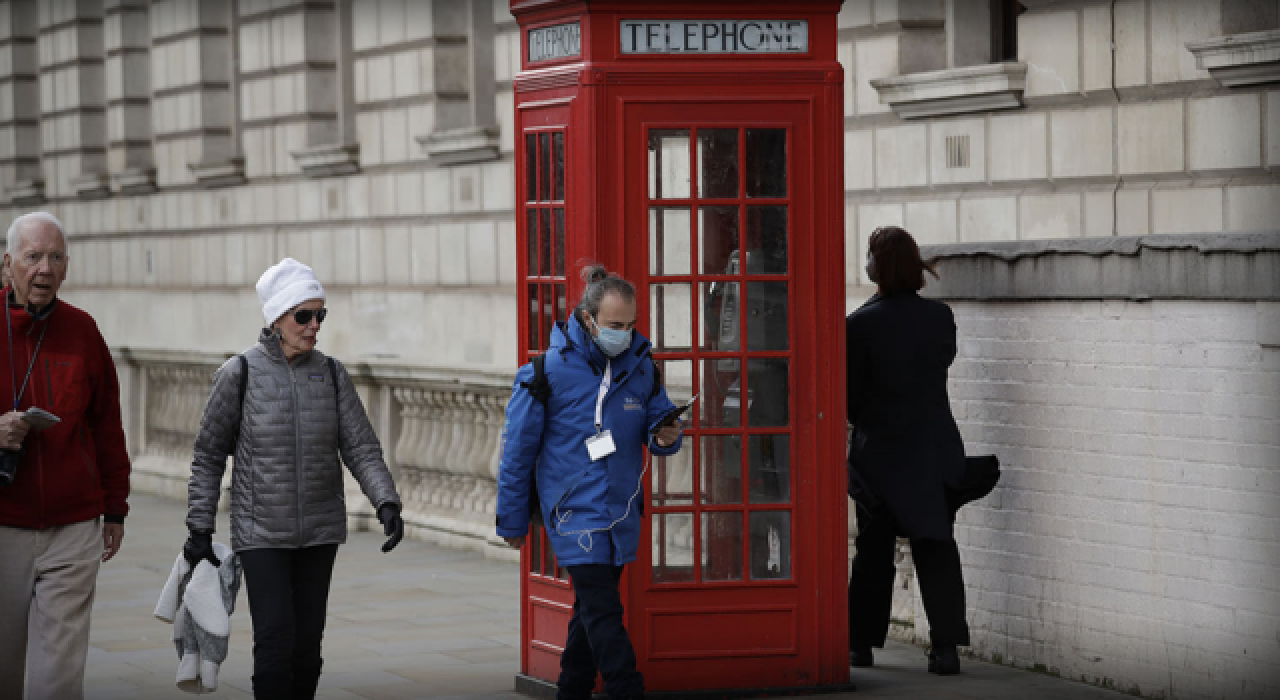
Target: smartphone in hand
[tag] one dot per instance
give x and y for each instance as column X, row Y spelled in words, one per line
column 40, row 419
column 673, row 415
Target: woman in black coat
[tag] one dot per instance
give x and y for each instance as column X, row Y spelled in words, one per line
column 905, row 452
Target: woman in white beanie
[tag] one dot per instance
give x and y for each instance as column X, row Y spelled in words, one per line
column 286, row 412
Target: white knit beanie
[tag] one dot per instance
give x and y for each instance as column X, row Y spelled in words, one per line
column 284, row 286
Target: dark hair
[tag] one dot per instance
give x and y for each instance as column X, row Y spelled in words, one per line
column 894, row 262
column 599, row 283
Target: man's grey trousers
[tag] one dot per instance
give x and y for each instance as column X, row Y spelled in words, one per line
column 47, row 582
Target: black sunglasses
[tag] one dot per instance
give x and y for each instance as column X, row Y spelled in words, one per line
column 303, row 316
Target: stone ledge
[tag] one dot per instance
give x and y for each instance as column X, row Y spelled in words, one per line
column 223, row 173
column 1240, row 59
column 135, row 181
column 472, row 144
column 329, row 159
column 1215, row 266
column 957, row 91
column 92, row 185
column 26, row 192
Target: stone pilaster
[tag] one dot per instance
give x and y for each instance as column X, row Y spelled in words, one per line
column 193, row 97
column 73, row 122
column 20, row 171
column 128, row 43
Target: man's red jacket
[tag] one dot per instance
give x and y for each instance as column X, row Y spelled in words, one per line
column 78, row 469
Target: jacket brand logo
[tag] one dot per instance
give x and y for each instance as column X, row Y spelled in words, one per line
column 631, row 404
column 316, row 377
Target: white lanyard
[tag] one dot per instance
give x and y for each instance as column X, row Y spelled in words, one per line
column 605, row 383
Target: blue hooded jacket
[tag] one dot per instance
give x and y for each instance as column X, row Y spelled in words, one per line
column 591, row 509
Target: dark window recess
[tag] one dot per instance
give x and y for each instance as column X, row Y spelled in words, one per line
column 1004, row 29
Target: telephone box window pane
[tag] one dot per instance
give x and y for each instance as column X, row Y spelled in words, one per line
column 722, row 546
column 534, row 323
column 769, row 468
column 669, row 236
column 548, row 314
column 720, row 327
column 531, row 237
column 770, row 545
column 719, row 404
column 557, row 216
column 766, row 162
column 557, row 161
column 544, row 242
column 677, row 378
column 669, row 164
column 718, row 240
column 718, row 163
column 673, row 548
column 671, row 317
column 544, row 167
column 531, row 167
column 673, row 479
column 721, row 469
column 562, row 302
column 769, row 404
column 767, row 240
column 767, row 327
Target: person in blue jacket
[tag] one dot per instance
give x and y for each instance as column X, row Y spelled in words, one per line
column 587, row 437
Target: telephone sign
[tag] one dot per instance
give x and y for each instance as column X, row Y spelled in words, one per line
column 560, row 41
column 714, row 36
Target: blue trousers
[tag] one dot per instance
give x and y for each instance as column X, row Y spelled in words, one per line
column 597, row 639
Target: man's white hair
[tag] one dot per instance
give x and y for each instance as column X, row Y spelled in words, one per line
column 19, row 226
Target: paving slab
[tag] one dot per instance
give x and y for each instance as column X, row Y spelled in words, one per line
column 421, row 622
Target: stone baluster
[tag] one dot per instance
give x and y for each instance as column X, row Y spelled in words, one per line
column 438, row 446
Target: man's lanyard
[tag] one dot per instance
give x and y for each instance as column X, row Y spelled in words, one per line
column 13, row 378
column 605, row 383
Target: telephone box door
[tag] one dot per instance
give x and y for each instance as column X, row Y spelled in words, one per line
column 719, row 209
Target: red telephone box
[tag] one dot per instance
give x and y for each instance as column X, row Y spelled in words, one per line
column 696, row 148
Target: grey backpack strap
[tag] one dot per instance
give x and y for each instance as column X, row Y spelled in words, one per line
column 244, row 389
column 337, row 388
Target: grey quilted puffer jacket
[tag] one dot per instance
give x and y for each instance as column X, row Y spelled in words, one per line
column 286, row 483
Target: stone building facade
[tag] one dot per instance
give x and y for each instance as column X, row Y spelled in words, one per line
column 189, row 144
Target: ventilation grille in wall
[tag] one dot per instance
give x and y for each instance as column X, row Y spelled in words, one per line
column 958, row 151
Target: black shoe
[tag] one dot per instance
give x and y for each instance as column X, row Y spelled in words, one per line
column 944, row 660
column 860, row 657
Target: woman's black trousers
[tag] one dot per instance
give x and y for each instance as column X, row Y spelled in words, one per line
column 288, row 597
column 938, row 576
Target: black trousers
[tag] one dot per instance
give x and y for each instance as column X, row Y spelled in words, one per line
column 938, row 575
column 288, row 600
column 597, row 639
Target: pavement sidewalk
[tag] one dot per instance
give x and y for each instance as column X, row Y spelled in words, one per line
column 421, row 622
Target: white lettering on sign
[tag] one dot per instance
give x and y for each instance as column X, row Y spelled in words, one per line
column 715, row 36
column 560, row 41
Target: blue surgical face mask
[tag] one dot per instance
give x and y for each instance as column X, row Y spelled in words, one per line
column 612, row 342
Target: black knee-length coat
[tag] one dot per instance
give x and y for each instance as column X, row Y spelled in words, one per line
column 906, row 449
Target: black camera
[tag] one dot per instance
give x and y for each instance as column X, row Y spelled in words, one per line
column 9, row 461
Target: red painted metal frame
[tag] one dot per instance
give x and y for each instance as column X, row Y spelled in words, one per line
column 601, row 99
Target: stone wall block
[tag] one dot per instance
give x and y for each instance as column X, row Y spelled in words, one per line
column 957, row 151
column 1081, row 142
column 1189, row 210
column 453, row 254
column 988, row 219
column 1099, row 213
column 859, row 163
column 1049, row 216
column 398, row 254
column 875, row 57
column 1225, row 132
column 372, row 256
column 1049, row 43
column 1253, row 208
column 499, row 187
column 1273, row 128
column 1173, row 26
column 424, row 246
column 1150, row 138
column 1019, row 147
column 409, row 200
column 932, row 222
column 482, row 253
column 901, row 156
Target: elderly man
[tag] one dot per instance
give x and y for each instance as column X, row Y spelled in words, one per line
column 63, row 487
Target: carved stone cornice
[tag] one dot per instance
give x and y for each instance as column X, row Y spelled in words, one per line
column 26, row 192
column 92, row 185
column 472, row 144
column 1240, row 59
column 329, row 159
column 955, row 91
column 222, row 173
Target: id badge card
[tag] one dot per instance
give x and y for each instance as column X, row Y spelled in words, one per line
column 600, row 445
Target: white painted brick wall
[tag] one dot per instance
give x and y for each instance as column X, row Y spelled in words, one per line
column 1134, row 539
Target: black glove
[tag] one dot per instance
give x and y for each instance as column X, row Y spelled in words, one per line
column 200, row 546
column 392, row 525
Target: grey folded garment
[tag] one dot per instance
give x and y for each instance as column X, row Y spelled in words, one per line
column 199, row 603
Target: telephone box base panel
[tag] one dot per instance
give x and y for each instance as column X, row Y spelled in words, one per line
column 546, row 690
